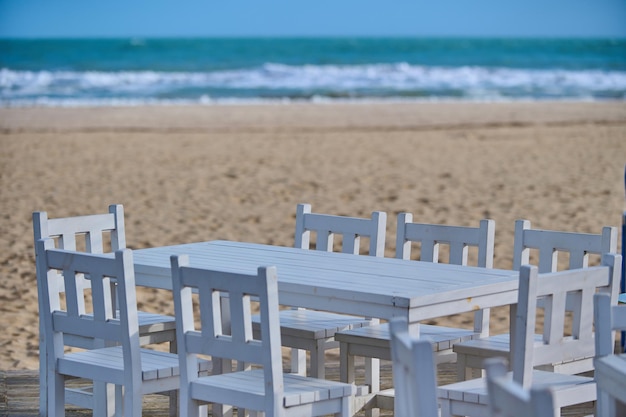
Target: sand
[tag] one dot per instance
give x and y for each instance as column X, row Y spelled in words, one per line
column 188, row 174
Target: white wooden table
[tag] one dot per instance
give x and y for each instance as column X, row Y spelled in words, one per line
column 344, row 283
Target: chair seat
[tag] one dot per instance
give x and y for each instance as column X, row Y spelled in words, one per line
column 152, row 322
column 577, row 389
column 499, row 346
column 154, row 364
column 153, row 328
column 298, row 390
column 314, row 324
column 156, row 328
column 313, row 331
column 378, row 336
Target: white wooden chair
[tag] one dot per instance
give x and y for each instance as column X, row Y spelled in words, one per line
column 115, row 357
column 97, row 234
column 311, row 330
column 470, row 398
column 264, row 389
column 548, row 243
column 610, row 368
column 374, row 341
column 508, row 399
column 414, row 373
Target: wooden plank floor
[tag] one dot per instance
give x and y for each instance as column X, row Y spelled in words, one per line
column 19, row 394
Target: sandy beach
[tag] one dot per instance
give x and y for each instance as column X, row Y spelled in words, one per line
column 188, row 174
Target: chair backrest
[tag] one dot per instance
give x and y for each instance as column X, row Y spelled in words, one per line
column 549, row 243
column 555, row 288
column 458, row 238
column 414, row 373
column 508, row 399
column 608, row 318
column 90, row 316
column 351, row 228
column 98, row 233
column 211, row 338
column 68, row 230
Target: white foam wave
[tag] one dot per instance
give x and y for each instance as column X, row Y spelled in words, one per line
column 275, row 81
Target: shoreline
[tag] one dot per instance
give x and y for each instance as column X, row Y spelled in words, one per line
column 396, row 114
column 236, row 102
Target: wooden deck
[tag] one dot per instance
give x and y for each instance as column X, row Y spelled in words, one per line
column 19, row 394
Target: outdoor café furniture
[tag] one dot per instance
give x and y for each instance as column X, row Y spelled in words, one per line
column 115, row 357
column 547, row 244
column 97, row 233
column 343, row 283
column 470, row 398
column 414, row 372
column 313, row 330
column 265, row 389
column 610, row 367
column 507, row 398
column 374, row 341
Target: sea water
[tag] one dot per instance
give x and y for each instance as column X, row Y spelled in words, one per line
column 267, row 70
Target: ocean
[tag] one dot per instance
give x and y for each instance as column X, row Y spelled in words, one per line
column 103, row 72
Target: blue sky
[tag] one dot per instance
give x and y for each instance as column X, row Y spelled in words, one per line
column 152, row 18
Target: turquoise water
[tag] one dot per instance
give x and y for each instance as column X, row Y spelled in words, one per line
column 140, row 71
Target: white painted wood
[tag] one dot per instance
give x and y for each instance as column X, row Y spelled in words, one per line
column 610, row 367
column 470, row 398
column 350, row 228
column 265, row 389
column 372, row 342
column 96, row 234
column 459, row 239
column 548, row 243
column 508, row 399
column 311, row 330
column 116, row 357
column 414, row 373
column 344, row 283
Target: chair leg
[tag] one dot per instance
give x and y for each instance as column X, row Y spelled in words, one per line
column 603, row 404
column 346, row 408
column 461, row 367
column 445, row 408
column 119, row 400
column 132, row 403
column 55, row 395
column 298, row 362
column 105, row 402
column 43, row 375
column 372, row 374
column 372, row 379
column 346, row 365
column 318, row 360
column 464, row 372
column 173, row 412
